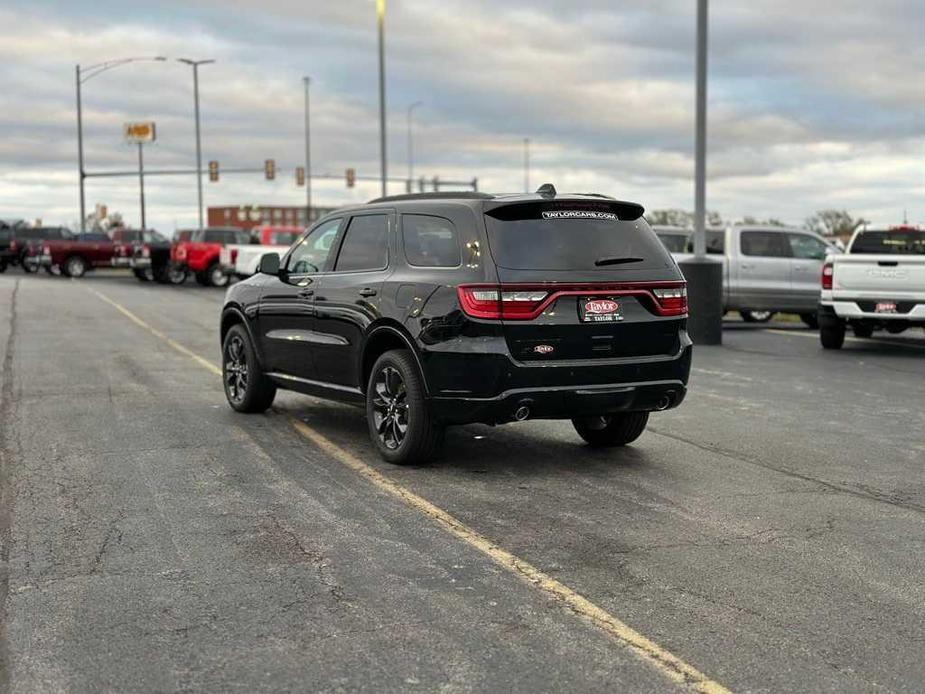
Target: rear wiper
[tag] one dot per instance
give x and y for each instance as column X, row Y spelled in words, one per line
column 617, row 260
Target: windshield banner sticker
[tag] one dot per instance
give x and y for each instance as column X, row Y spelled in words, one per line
column 577, row 214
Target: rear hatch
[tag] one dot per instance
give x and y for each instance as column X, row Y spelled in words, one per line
column 583, row 279
column 889, row 264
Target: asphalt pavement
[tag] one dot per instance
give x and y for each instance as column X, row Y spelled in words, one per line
column 769, row 533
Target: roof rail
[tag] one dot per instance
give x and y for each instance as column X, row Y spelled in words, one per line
column 459, row 195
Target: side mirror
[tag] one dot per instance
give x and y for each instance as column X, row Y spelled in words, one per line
column 269, row 264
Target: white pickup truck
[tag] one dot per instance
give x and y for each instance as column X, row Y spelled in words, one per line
column 239, row 260
column 879, row 284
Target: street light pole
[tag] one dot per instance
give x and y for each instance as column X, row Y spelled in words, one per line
column 195, row 64
column 380, row 20
column 308, row 157
column 80, row 156
column 704, row 274
column 82, row 74
column 410, row 145
column 141, row 185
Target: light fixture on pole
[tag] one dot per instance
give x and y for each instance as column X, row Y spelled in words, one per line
column 308, row 157
column 195, row 65
column 410, row 144
column 83, row 74
column 380, row 21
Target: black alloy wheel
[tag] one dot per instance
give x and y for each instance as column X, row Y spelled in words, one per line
column 247, row 388
column 398, row 412
column 390, row 408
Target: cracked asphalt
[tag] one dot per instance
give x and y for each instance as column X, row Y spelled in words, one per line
column 770, row 532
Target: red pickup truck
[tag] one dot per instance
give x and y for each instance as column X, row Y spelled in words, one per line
column 200, row 255
column 75, row 255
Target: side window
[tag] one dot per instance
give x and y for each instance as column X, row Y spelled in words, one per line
column 430, row 241
column 310, row 254
column 366, row 244
column 806, row 247
column 764, row 244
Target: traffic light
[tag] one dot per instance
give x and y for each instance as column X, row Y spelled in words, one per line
column 351, row 177
column 269, row 169
column 300, row 175
column 213, row 171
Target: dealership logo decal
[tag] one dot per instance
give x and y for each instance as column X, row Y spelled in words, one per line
column 543, row 349
column 577, row 214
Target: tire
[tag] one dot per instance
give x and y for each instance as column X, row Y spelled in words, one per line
column 862, row 330
column 215, row 277
column 396, row 398
column 612, row 429
column 170, row 274
column 756, row 316
column 811, row 320
column 247, row 388
column 28, row 269
column 74, row 266
column 143, row 275
column 2, row 265
column 832, row 335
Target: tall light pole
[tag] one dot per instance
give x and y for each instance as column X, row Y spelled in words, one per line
column 82, row 74
column 308, row 157
column 195, row 64
column 380, row 21
column 526, row 164
column 411, row 145
column 704, row 274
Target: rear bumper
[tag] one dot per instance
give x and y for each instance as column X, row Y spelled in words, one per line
column 121, row 261
column 560, row 403
column 910, row 312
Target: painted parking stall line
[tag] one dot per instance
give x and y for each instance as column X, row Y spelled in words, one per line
column 672, row 667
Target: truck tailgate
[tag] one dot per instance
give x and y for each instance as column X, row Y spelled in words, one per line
column 896, row 276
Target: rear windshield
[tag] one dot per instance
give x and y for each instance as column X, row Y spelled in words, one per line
column 909, row 242
column 716, row 242
column 580, row 236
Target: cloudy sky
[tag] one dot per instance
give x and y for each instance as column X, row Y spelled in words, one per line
column 812, row 104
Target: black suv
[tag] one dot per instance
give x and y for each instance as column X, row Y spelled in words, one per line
column 451, row 308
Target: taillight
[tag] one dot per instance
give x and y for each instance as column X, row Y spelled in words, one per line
column 13, row 245
column 672, row 301
column 46, row 250
column 493, row 302
column 145, row 251
column 828, row 270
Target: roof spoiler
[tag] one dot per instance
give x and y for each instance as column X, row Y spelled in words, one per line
column 625, row 211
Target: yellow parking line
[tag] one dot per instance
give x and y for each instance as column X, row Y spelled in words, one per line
column 666, row 662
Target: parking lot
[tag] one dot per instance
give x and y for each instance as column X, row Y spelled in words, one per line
column 768, row 535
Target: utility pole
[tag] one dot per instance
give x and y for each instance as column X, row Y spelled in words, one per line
column 308, row 157
column 380, row 20
column 80, row 156
column 195, row 64
column 526, row 164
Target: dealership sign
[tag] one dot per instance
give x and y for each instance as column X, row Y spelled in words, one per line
column 139, row 132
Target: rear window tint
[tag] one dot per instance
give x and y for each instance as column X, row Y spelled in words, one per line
column 909, row 242
column 430, row 241
column 579, row 236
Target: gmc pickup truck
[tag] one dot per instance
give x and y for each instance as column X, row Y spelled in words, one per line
column 766, row 269
column 879, row 284
column 241, row 260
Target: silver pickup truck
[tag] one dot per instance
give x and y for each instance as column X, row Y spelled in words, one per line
column 766, row 270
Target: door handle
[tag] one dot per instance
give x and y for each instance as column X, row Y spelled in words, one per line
column 367, row 291
column 306, row 293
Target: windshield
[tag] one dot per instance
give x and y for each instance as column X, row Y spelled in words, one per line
column 151, row 236
column 904, row 242
column 571, row 236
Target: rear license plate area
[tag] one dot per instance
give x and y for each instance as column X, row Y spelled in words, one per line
column 598, row 309
column 885, row 307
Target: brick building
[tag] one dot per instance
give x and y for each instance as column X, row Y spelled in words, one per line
column 250, row 216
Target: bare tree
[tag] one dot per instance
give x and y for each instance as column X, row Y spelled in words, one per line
column 680, row 218
column 834, row 223
column 748, row 220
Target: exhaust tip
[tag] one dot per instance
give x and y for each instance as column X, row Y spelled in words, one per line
column 663, row 403
column 521, row 413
